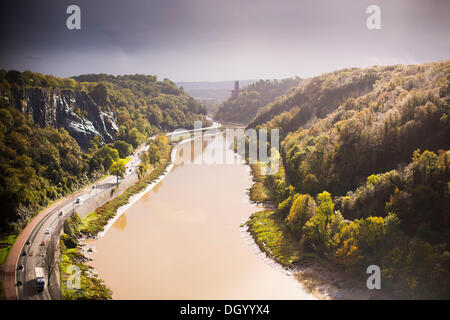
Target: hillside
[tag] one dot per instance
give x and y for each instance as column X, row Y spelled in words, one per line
column 366, row 172
column 318, row 96
column 101, row 105
column 143, row 102
column 57, row 135
column 253, row 97
column 405, row 110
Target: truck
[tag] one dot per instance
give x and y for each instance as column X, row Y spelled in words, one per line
column 40, row 279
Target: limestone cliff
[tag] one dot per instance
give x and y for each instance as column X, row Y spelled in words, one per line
column 75, row 111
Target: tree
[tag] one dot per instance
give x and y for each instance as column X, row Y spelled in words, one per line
column 310, row 184
column 123, row 148
column 118, row 169
column 162, row 142
column 317, row 229
column 301, row 211
column 50, row 259
column 145, row 166
column 154, row 153
column 107, row 156
column 100, row 94
column 135, row 137
column 326, row 205
column 425, row 165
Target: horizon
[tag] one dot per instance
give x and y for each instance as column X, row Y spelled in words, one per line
column 233, row 80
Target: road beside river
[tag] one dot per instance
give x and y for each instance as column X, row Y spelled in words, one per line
column 34, row 239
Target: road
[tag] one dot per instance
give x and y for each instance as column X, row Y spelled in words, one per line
column 178, row 133
column 33, row 241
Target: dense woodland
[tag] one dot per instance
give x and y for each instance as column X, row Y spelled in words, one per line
column 41, row 164
column 366, row 172
column 252, row 98
column 142, row 102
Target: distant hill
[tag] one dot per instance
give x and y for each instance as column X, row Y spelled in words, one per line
column 252, row 98
column 211, row 94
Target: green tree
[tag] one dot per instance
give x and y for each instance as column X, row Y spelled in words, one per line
column 118, row 169
column 303, row 209
column 135, row 137
column 106, row 156
column 317, row 229
column 325, row 205
column 154, row 153
column 123, row 148
column 100, row 94
column 144, row 166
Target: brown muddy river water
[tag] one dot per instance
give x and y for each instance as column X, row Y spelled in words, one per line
column 183, row 240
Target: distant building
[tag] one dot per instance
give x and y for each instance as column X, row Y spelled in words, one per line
column 235, row 92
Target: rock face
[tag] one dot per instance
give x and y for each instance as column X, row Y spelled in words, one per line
column 74, row 111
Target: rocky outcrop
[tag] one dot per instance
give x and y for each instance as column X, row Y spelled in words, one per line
column 75, row 111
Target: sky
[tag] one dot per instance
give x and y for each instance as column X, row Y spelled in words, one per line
column 212, row 40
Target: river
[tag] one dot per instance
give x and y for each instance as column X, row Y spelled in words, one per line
column 183, row 240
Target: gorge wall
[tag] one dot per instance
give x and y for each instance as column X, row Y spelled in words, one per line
column 75, row 111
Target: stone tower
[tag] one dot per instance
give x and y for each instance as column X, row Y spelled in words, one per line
column 235, row 92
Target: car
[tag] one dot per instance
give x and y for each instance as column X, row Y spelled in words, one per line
column 60, row 213
column 28, row 242
column 48, row 231
column 24, row 253
column 43, row 243
column 20, row 267
column 78, row 200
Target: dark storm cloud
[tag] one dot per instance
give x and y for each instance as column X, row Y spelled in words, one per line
column 219, row 39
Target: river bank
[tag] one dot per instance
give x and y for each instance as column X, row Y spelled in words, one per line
column 317, row 275
column 183, row 240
